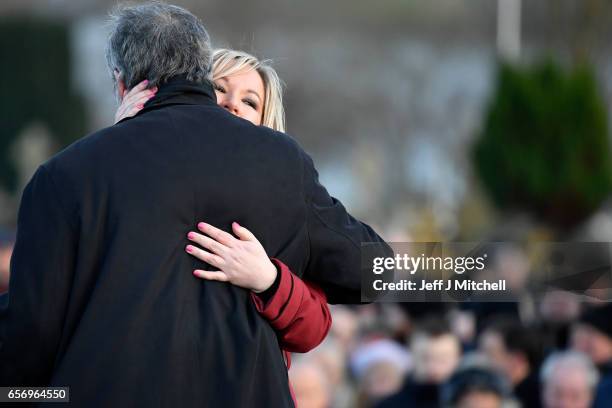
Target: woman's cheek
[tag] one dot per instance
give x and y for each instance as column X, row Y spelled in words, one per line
column 252, row 117
column 257, row 118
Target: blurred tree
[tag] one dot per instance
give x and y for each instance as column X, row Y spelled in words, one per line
column 35, row 86
column 544, row 147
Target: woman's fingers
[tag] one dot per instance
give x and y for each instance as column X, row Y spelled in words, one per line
column 139, row 97
column 217, row 234
column 139, row 103
column 133, row 111
column 139, row 91
column 142, row 86
column 134, row 100
column 243, row 233
column 211, row 275
column 136, row 103
column 132, row 108
column 202, row 255
column 242, row 263
column 206, row 242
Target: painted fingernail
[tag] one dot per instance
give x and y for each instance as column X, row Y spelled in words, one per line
column 189, row 249
column 140, row 106
column 191, row 235
column 201, row 225
column 146, row 81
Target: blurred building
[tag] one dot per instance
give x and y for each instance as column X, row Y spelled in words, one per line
column 387, row 96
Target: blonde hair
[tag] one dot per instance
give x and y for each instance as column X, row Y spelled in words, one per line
column 228, row 62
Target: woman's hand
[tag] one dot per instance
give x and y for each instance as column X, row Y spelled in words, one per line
column 242, row 262
column 134, row 100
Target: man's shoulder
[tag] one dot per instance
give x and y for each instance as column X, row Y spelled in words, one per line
column 279, row 138
column 84, row 153
column 262, row 138
column 79, row 153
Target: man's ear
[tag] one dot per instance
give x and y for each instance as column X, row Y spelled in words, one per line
column 121, row 88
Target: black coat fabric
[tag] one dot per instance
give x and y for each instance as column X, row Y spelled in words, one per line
column 101, row 296
column 413, row 394
column 527, row 392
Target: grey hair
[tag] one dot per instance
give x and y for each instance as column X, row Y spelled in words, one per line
column 157, row 41
column 572, row 360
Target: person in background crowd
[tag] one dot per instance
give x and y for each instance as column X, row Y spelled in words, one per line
column 592, row 335
column 558, row 309
column 380, row 380
column 475, row 387
column 331, row 356
column 7, row 241
column 436, row 352
column 463, row 324
column 344, row 329
column 311, row 385
column 569, row 380
column 515, row 351
column 379, row 366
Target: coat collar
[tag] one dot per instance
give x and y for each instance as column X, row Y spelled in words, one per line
column 180, row 91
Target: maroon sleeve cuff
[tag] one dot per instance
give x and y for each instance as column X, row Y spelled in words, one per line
column 277, row 303
column 267, row 294
column 297, row 311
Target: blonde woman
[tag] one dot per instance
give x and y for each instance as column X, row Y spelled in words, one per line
column 246, row 86
column 251, row 89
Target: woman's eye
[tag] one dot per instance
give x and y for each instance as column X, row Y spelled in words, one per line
column 219, row 88
column 251, row 103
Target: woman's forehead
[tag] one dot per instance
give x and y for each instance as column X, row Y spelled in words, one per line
column 249, row 80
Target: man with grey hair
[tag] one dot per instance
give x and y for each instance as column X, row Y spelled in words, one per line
column 569, row 380
column 157, row 42
column 102, row 297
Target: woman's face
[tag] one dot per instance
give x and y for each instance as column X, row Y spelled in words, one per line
column 242, row 94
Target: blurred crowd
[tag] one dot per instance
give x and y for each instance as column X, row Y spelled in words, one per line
column 463, row 355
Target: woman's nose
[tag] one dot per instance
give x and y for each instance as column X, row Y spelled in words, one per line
column 231, row 105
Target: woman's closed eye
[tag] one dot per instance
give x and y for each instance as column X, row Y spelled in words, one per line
column 219, row 88
column 250, row 102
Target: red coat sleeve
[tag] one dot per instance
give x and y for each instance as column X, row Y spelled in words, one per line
column 297, row 311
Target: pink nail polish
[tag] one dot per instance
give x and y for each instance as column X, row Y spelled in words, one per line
column 201, row 225
column 191, row 235
column 139, row 106
column 146, row 81
column 189, row 249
